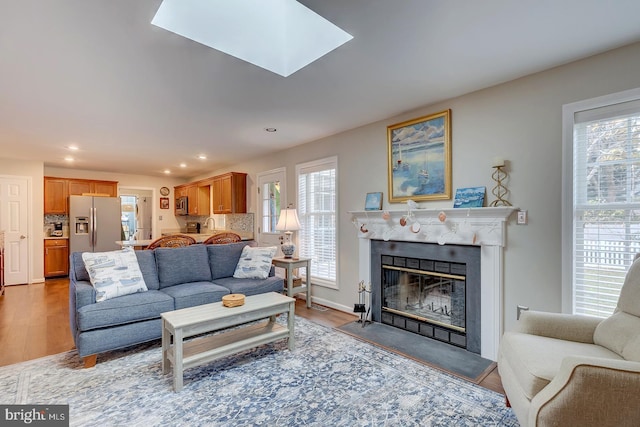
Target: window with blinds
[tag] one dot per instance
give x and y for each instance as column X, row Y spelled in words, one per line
column 606, row 204
column 317, row 210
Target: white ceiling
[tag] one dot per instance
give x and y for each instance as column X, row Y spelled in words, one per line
column 139, row 99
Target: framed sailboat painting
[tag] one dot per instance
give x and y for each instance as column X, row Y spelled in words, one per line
column 419, row 154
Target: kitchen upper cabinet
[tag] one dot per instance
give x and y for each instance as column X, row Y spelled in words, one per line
column 192, row 199
column 180, row 191
column 78, row 187
column 55, row 195
column 105, row 187
column 58, row 190
column 229, row 192
column 204, row 197
column 198, row 197
column 56, row 257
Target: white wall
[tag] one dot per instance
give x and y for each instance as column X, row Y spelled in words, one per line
column 518, row 120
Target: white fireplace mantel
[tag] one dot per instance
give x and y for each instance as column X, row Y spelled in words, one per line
column 484, row 227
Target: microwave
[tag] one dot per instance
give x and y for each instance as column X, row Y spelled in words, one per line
column 182, row 206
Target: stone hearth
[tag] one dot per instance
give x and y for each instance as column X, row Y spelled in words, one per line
column 483, row 227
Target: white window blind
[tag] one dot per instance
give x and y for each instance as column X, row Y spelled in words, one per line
column 317, row 196
column 606, row 205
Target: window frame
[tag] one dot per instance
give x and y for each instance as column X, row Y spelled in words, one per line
column 332, row 162
column 568, row 197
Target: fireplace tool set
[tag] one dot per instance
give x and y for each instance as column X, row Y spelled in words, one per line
column 361, row 307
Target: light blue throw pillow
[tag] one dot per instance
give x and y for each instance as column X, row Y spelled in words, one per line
column 255, row 263
column 114, row 274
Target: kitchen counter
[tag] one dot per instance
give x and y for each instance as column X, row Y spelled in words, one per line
column 53, row 237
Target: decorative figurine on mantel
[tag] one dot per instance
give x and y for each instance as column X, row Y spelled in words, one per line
column 499, row 176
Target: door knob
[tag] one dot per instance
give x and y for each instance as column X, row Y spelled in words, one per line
column 23, row 237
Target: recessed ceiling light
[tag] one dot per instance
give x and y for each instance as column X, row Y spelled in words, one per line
column 183, row 165
column 202, row 157
column 167, row 171
column 72, row 147
column 270, row 129
column 68, row 159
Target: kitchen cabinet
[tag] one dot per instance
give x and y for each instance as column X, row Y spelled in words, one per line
column 58, row 190
column 56, row 257
column 78, row 187
column 192, row 199
column 229, row 192
column 204, row 198
column 105, row 187
column 198, row 197
column 55, row 195
column 180, row 191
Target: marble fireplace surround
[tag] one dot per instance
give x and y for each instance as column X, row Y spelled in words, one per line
column 484, row 227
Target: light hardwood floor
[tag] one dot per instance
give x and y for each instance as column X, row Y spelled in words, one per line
column 34, row 322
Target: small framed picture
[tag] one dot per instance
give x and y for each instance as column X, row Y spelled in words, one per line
column 164, row 203
column 373, row 202
column 472, row 197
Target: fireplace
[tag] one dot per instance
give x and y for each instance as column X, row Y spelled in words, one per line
column 483, row 229
column 428, row 289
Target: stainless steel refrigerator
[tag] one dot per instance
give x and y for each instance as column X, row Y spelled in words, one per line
column 94, row 223
column 143, row 218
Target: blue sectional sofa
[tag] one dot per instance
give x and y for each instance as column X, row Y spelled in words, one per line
column 175, row 277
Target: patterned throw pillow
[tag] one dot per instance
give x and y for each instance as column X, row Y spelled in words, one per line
column 114, row 274
column 255, row 263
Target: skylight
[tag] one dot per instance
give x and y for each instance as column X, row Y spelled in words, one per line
column 281, row 36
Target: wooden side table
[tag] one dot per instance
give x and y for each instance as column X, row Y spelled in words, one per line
column 290, row 264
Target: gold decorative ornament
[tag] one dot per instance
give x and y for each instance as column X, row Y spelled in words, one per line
column 499, row 175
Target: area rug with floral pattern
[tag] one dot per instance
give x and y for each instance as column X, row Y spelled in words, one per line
column 331, row 379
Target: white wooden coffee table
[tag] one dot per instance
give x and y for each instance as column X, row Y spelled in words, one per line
column 187, row 322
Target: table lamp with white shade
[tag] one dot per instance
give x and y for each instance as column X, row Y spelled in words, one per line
column 288, row 222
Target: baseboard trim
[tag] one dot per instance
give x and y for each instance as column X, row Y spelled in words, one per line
column 331, row 304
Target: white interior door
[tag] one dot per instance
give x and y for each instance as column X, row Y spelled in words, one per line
column 271, row 197
column 14, row 201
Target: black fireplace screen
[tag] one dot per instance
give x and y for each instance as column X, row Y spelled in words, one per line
column 429, row 296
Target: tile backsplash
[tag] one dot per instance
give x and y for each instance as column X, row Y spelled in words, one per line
column 232, row 222
column 239, row 222
column 49, row 219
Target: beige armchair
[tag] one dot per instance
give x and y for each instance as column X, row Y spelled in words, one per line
column 569, row 370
